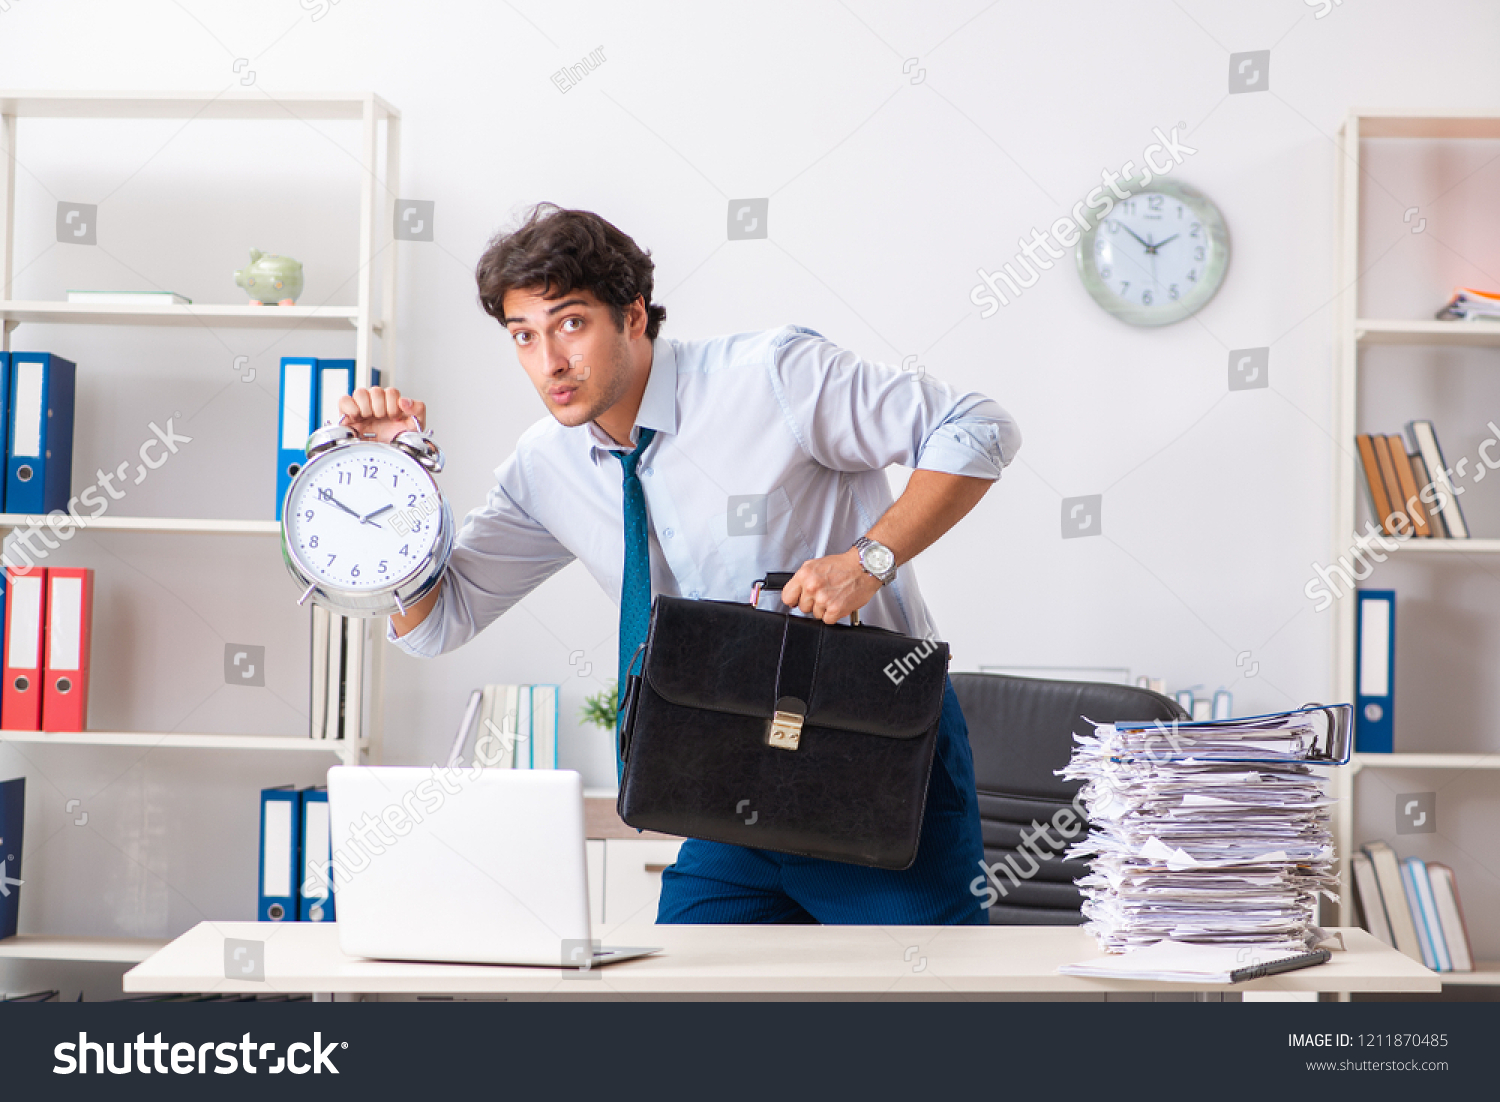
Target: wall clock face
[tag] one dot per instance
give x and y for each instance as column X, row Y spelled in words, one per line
column 1157, row 257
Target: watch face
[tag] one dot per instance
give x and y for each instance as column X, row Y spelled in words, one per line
column 878, row 560
column 1156, row 257
column 363, row 517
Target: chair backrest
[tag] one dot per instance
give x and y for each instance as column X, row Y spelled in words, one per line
column 1021, row 730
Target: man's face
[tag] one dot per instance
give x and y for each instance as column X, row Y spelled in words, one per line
column 578, row 360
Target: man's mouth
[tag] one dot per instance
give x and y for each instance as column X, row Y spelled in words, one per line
column 562, row 395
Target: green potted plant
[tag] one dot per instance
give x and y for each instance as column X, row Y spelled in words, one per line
column 601, row 709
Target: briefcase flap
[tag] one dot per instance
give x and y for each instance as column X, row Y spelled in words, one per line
column 720, row 656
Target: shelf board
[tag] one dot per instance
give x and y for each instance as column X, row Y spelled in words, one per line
column 1486, row 973
column 1428, row 761
column 178, row 740
column 1414, row 544
column 114, row 950
column 209, row 316
column 1422, row 123
column 1368, row 331
column 205, row 526
column 189, row 105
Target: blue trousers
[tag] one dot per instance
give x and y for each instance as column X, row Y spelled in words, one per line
column 713, row 882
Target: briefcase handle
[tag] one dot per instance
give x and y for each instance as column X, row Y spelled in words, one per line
column 775, row 581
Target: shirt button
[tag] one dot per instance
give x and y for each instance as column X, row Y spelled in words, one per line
column 695, row 594
column 648, row 471
column 669, row 533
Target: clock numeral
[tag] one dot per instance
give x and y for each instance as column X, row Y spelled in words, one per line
column 1198, row 253
column 1155, row 202
column 1172, row 292
column 313, row 542
column 1192, row 275
column 354, row 572
column 345, row 476
column 325, row 495
column 370, row 470
column 411, row 499
column 331, row 558
column 1193, row 228
column 1179, row 212
column 1146, row 297
column 1128, row 206
column 1124, row 286
column 1113, row 226
column 384, row 567
column 394, row 479
column 1104, row 273
column 404, row 551
column 308, row 515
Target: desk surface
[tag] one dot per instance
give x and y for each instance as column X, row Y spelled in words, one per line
column 931, row 962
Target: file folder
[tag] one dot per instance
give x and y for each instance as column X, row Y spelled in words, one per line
column 12, row 820
column 21, row 695
column 298, row 418
column 336, row 380
column 1375, row 671
column 65, row 684
column 544, row 726
column 4, row 409
column 39, row 463
column 317, row 843
column 280, row 834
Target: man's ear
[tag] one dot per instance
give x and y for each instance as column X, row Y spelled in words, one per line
column 635, row 318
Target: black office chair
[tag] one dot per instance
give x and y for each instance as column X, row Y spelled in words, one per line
column 1021, row 729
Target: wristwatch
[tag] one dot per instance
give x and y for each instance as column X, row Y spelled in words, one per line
column 878, row 560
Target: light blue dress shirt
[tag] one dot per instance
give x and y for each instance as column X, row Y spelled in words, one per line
column 770, row 450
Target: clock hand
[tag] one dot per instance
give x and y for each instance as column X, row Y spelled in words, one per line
column 339, row 504
column 366, row 518
column 1164, row 240
column 1135, row 235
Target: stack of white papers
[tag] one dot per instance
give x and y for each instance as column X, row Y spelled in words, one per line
column 1211, row 833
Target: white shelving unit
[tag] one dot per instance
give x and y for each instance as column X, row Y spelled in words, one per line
column 1354, row 333
column 366, row 321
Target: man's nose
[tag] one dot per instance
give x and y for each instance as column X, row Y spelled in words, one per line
column 556, row 357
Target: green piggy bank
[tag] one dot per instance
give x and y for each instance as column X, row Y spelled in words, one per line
column 271, row 278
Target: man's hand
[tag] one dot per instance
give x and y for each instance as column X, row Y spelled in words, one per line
column 830, row 588
column 381, row 413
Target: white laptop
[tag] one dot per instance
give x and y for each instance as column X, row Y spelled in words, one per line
column 489, row 870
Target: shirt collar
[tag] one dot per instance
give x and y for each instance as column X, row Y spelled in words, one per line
column 658, row 403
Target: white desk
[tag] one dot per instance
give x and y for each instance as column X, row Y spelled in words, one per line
column 780, row 962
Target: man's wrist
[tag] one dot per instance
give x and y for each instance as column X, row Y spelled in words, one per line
column 876, row 559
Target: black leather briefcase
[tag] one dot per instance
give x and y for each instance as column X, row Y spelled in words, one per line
column 781, row 732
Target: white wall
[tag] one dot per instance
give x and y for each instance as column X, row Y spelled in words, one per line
column 885, row 197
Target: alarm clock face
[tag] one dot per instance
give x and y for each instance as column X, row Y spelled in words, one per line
column 363, row 517
column 1156, row 257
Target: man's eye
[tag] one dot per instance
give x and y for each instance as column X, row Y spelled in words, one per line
column 521, row 338
column 571, row 322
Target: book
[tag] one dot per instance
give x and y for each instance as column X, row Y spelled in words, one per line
column 1393, row 892
column 1371, row 906
column 1379, row 500
column 1424, row 915
column 1425, row 484
column 1192, row 962
column 1392, row 486
column 1451, row 915
column 1424, row 440
column 129, row 298
column 544, row 726
column 508, row 719
column 1470, row 304
column 1409, row 502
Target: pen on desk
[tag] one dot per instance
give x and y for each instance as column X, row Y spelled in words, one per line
column 1290, row 964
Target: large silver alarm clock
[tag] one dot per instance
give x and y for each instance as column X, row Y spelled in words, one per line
column 364, row 529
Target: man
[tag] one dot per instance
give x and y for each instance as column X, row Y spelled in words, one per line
column 693, row 468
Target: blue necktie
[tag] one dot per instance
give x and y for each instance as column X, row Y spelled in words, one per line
column 635, row 580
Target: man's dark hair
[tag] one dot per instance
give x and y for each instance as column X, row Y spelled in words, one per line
column 556, row 251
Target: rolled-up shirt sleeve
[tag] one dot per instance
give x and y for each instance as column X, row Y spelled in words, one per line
column 499, row 556
column 852, row 414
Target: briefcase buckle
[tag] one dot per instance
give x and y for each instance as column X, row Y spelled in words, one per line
column 786, row 730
